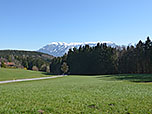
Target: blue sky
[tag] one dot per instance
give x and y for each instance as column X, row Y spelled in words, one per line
column 31, row 24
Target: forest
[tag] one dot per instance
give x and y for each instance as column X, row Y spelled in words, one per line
column 30, row 60
column 103, row 59
column 86, row 60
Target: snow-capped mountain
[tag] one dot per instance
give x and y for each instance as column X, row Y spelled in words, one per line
column 58, row 49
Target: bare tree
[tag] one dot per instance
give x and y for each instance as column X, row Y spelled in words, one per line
column 64, row 67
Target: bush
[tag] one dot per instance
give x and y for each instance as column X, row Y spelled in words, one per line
column 34, row 68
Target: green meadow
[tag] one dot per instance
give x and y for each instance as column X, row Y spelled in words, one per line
column 105, row 94
column 12, row 74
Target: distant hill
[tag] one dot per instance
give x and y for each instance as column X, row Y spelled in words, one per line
column 60, row 48
column 25, row 59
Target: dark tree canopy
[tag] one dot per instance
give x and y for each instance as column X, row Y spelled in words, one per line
column 103, row 59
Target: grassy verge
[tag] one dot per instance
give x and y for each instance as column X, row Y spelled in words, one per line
column 77, row 95
column 11, row 74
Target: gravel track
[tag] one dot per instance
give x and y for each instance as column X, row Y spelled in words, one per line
column 30, row 79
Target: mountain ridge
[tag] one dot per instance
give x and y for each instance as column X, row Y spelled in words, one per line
column 58, row 49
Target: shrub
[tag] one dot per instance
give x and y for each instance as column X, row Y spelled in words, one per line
column 34, row 68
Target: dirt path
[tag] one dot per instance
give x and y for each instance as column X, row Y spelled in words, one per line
column 21, row 80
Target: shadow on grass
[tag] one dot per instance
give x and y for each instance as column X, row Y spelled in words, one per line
column 128, row 77
column 83, row 75
column 46, row 73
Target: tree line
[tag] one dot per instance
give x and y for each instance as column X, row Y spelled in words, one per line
column 103, row 59
column 30, row 60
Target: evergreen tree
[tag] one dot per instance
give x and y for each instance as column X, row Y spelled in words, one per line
column 103, row 59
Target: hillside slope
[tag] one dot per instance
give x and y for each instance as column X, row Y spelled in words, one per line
column 28, row 59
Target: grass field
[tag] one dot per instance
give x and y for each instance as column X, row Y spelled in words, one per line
column 78, row 95
column 11, row 74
